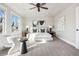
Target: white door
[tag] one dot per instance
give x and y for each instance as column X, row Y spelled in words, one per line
column 77, row 27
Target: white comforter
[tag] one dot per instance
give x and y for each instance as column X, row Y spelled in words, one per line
column 33, row 37
column 43, row 37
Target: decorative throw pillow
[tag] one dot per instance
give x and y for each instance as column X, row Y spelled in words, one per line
column 34, row 30
column 42, row 30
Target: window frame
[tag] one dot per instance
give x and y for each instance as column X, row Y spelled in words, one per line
column 15, row 14
column 3, row 22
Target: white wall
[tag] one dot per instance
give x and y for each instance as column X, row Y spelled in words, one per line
column 68, row 35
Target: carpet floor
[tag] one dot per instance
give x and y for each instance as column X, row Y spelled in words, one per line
column 54, row 48
column 4, row 52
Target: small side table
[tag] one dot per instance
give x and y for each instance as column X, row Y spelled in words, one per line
column 24, row 46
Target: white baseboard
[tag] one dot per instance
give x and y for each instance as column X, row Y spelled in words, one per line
column 66, row 41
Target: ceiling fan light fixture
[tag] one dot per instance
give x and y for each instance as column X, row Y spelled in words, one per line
column 39, row 6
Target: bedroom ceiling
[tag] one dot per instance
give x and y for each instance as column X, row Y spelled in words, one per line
column 24, row 9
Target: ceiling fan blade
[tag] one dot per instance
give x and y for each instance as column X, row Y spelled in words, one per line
column 33, row 4
column 38, row 9
column 32, row 8
column 43, row 4
column 44, row 8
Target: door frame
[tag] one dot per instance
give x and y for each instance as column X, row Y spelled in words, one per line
column 77, row 28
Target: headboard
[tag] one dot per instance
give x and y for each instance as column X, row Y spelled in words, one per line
column 38, row 26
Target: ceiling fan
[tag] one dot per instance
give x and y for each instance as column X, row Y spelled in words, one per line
column 39, row 6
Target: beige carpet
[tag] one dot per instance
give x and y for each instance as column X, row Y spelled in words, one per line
column 4, row 52
column 54, row 48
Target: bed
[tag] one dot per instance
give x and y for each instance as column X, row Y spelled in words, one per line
column 39, row 38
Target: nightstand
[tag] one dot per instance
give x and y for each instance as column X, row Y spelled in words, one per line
column 52, row 33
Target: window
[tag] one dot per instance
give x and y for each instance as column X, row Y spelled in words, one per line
column 14, row 22
column 1, row 19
